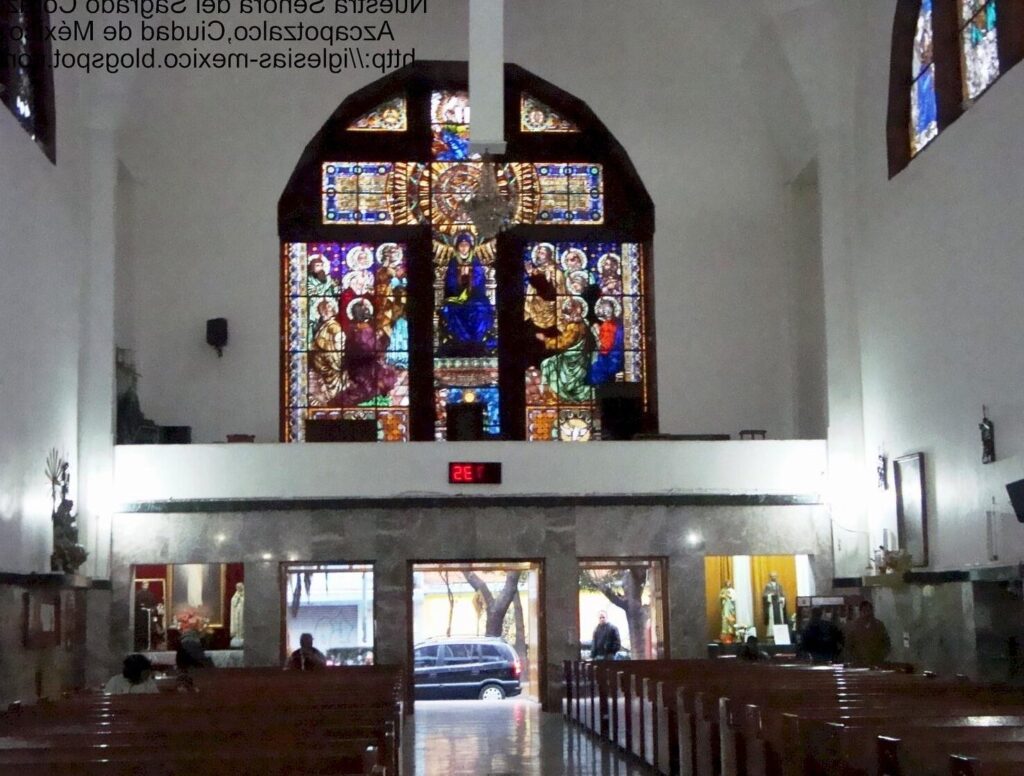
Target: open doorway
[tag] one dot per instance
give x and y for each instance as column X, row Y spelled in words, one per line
column 476, row 630
column 623, row 599
column 333, row 602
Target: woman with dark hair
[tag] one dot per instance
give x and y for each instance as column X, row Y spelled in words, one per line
column 136, row 678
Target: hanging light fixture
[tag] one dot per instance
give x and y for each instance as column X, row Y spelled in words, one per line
column 490, row 211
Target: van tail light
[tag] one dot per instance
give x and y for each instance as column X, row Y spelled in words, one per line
column 517, row 667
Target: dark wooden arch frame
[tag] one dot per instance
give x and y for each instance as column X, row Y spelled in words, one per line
column 629, row 217
column 946, row 55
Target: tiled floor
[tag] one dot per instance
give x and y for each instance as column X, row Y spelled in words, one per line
column 502, row 738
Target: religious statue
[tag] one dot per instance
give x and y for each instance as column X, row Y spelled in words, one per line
column 237, row 627
column 988, row 437
column 67, row 554
column 774, row 600
column 727, row 599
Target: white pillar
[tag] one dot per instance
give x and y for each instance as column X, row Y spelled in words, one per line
column 487, row 75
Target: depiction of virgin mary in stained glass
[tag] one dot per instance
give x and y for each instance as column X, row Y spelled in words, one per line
column 466, row 316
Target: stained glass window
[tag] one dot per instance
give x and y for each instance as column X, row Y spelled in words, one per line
column 570, row 193
column 26, row 72
column 347, row 340
column 347, row 354
column 449, row 124
column 583, row 308
column 924, row 114
column 535, row 116
column 979, row 46
column 391, row 116
column 389, row 193
column 371, row 193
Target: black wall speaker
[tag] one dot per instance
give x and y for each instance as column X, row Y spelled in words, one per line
column 217, row 334
column 465, row 422
column 1016, row 491
column 622, row 410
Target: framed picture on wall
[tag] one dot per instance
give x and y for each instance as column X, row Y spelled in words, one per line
column 200, row 587
column 41, row 619
column 911, row 507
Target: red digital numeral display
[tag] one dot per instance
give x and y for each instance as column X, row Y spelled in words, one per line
column 470, row 473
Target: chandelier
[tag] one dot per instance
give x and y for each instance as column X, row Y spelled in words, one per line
column 490, row 211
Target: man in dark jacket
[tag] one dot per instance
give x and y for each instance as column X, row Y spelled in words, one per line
column 606, row 642
column 821, row 640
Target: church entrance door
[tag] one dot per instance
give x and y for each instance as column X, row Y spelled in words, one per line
column 476, row 630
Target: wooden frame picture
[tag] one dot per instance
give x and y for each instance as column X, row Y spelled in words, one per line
column 41, row 619
column 912, row 507
column 199, row 586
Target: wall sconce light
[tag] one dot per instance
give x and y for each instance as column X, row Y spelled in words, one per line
column 694, row 541
column 988, row 437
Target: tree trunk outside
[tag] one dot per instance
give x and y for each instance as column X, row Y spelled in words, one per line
column 496, row 607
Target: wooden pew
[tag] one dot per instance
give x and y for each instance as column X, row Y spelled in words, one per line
column 239, row 720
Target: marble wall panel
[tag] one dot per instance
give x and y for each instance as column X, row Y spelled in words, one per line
column 931, row 626
column 556, row 536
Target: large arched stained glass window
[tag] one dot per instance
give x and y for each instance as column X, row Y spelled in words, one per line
column 396, row 307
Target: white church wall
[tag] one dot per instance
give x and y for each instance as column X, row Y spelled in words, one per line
column 148, row 473
column 41, row 255
column 937, row 283
column 210, row 154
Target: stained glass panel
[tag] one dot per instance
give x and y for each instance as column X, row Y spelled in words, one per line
column 390, row 116
column 570, row 193
column 924, row 114
column 373, row 193
column 583, row 308
column 535, row 116
column 347, row 336
column 979, row 46
column 449, row 124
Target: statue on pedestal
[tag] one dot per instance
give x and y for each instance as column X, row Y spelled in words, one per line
column 727, row 599
column 237, row 627
column 67, row 554
column 774, row 600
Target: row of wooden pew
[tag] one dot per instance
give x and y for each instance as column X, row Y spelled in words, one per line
column 342, row 721
column 734, row 718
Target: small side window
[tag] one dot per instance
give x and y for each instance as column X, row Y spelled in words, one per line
column 425, row 656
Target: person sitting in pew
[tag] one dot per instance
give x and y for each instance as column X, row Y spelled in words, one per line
column 751, row 650
column 136, row 678
column 866, row 641
column 821, row 641
column 306, row 657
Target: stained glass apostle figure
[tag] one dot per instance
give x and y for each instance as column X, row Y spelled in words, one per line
column 774, row 600
column 609, row 357
column 565, row 373
column 467, row 315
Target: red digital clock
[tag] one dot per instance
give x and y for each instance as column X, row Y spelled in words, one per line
column 474, row 473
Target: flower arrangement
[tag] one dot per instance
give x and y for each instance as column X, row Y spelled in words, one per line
column 191, row 619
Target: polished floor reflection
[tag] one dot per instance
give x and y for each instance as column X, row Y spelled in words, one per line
column 502, row 738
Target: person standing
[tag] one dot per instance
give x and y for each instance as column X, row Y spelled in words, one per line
column 605, row 643
column 820, row 640
column 866, row 641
